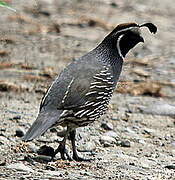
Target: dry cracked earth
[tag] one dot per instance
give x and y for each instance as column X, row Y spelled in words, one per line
column 136, row 139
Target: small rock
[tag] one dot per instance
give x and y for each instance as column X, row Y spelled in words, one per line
column 42, row 158
column 44, row 139
column 107, row 125
column 148, row 131
column 159, row 109
column 132, row 164
column 170, row 166
column 17, row 117
column 113, row 4
column 3, row 129
column 114, row 118
column 111, row 134
column 107, row 140
column 129, row 130
column 46, row 150
column 87, row 147
column 3, row 140
column 19, row 132
column 3, row 163
column 20, row 167
column 173, row 151
column 51, row 168
column 141, row 141
column 66, row 173
column 52, row 173
column 125, row 143
column 173, row 143
column 85, row 173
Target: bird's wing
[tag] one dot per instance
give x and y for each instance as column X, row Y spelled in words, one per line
column 69, row 89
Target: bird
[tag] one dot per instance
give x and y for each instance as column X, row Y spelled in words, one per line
column 80, row 94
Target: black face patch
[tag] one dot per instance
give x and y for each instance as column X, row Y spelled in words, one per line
column 127, row 41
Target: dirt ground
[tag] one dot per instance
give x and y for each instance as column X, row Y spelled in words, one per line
column 136, row 139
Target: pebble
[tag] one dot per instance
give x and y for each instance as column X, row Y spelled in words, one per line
column 173, row 144
column 107, row 140
column 51, row 168
column 20, row 167
column 42, row 158
column 148, row 131
column 125, row 143
column 107, row 126
column 129, row 130
column 111, row 134
column 16, row 117
column 3, row 163
column 19, row 132
column 3, row 140
column 141, row 141
column 113, row 4
column 159, row 109
column 46, row 150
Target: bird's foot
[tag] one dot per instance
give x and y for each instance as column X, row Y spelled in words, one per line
column 63, row 152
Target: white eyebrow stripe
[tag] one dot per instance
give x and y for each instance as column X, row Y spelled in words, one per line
column 123, row 30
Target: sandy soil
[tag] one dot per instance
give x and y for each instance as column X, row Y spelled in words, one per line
column 39, row 40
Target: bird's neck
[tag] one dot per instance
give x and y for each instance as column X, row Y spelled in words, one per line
column 107, row 53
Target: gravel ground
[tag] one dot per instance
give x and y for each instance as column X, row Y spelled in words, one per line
column 136, row 139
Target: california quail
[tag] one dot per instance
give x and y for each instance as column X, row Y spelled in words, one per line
column 81, row 93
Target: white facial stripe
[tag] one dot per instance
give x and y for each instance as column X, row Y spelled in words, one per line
column 118, row 45
column 119, row 38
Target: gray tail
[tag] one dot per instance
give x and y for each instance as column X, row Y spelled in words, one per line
column 43, row 122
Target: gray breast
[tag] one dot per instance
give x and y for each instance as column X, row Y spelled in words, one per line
column 98, row 96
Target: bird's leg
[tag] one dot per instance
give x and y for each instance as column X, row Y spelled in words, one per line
column 62, row 147
column 75, row 155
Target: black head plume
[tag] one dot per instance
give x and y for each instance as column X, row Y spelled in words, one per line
column 152, row 28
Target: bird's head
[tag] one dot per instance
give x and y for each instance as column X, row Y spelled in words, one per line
column 125, row 36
